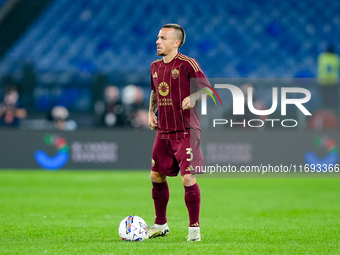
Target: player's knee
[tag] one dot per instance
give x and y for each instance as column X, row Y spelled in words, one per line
column 154, row 176
column 157, row 177
column 188, row 180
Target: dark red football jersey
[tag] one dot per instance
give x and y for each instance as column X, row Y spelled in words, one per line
column 171, row 82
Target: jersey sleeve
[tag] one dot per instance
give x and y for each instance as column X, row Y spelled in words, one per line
column 196, row 73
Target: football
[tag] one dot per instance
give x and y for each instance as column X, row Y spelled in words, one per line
column 132, row 228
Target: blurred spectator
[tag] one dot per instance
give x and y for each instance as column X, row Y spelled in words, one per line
column 323, row 119
column 136, row 108
column 11, row 110
column 114, row 115
column 328, row 76
column 59, row 115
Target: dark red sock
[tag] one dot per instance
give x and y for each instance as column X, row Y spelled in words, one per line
column 193, row 203
column 160, row 195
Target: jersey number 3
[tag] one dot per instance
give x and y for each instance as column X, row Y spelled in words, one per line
column 189, row 151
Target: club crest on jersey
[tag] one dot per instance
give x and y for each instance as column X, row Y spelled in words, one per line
column 175, row 73
column 163, row 89
column 155, row 75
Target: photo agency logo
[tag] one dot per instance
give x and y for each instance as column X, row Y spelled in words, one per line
column 238, row 106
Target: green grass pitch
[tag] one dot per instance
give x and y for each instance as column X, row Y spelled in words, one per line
column 79, row 212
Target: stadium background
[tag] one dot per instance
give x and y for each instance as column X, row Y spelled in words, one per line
column 93, row 56
column 65, row 52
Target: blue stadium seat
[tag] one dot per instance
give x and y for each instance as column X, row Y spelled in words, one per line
column 2, row 2
column 228, row 38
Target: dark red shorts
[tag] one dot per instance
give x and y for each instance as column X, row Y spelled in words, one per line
column 169, row 156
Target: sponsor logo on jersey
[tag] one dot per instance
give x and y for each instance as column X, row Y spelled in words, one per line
column 155, row 75
column 163, row 89
column 164, row 101
column 175, row 73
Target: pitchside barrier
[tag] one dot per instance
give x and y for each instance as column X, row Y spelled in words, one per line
column 90, row 149
column 123, row 149
column 280, row 148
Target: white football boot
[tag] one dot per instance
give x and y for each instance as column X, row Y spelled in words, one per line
column 157, row 231
column 194, row 234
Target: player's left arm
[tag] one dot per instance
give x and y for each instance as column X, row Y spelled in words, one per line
column 190, row 101
column 195, row 72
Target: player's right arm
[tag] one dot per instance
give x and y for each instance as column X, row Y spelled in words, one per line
column 153, row 122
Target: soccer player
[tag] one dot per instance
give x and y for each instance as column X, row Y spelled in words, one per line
column 177, row 144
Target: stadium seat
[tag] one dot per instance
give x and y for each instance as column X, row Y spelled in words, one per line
column 227, row 38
